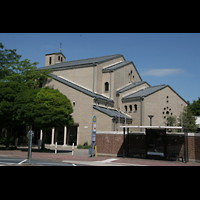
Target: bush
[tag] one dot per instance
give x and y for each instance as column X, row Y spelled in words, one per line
column 80, row 146
column 84, row 146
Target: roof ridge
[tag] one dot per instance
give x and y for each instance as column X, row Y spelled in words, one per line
column 80, row 63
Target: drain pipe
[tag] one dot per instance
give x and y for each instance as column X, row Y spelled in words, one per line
column 110, row 84
column 94, row 64
column 141, row 98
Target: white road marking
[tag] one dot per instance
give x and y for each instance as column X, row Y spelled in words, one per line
column 107, row 160
column 22, row 162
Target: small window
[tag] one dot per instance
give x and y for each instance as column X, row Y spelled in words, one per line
column 74, row 103
column 130, row 107
column 58, row 57
column 135, row 106
column 61, row 59
column 106, row 86
column 167, row 112
column 49, row 60
column 125, row 107
column 167, row 97
column 167, row 101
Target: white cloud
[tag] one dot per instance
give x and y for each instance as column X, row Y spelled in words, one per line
column 161, row 72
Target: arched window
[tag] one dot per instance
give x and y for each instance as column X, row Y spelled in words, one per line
column 125, row 109
column 106, row 86
column 135, row 106
column 130, row 106
column 49, row 60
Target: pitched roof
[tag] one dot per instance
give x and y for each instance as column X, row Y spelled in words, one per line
column 111, row 113
column 116, row 66
column 79, row 88
column 55, row 53
column 130, row 86
column 80, row 63
column 145, row 92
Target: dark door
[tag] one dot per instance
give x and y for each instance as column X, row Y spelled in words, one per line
column 155, row 143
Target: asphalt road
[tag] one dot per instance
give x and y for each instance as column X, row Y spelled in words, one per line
column 17, row 162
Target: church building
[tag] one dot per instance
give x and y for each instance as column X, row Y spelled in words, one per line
column 110, row 88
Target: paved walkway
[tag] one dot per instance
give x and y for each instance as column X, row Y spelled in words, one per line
column 82, row 156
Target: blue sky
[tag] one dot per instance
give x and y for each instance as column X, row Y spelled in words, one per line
column 160, row 58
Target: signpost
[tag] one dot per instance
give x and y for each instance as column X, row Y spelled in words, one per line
column 93, row 133
column 30, row 135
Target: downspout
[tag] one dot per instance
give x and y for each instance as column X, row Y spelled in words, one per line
column 110, row 84
column 141, row 98
column 93, row 75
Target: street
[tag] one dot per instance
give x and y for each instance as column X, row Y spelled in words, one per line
column 20, row 162
column 25, row 162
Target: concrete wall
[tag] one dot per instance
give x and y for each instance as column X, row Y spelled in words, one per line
column 158, row 105
column 83, row 112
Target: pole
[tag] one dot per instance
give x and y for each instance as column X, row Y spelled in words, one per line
column 72, row 149
column 30, row 148
column 124, row 144
column 56, row 148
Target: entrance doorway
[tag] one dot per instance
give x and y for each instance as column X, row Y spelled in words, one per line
column 72, row 135
column 155, row 143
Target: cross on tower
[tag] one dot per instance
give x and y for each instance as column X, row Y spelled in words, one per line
column 60, row 46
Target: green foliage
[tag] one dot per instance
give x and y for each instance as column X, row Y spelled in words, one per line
column 84, row 146
column 8, row 93
column 52, row 109
column 189, row 120
column 195, row 107
column 23, row 101
column 7, row 58
column 170, row 121
column 80, row 146
column 25, row 106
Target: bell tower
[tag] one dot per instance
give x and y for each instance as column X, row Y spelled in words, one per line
column 54, row 58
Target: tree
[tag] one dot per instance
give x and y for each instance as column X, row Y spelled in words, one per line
column 11, row 69
column 25, row 106
column 170, row 121
column 52, row 109
column 195, row 107
column 26, row 73
column 8, row 94
column 189, row 120
column 7, row 58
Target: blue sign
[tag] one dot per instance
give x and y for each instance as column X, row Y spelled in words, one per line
column 93, row 134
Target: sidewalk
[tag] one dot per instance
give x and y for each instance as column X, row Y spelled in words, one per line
column 83, row 156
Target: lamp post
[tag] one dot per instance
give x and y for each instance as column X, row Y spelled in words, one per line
column 150, row 116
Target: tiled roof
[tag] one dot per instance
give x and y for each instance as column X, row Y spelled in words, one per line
column 111, row 113
column 116, row 66
column 130, row 86
column 80, row 63
column 145, row 92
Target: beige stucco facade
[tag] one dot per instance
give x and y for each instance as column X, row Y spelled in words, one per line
column 118, row 74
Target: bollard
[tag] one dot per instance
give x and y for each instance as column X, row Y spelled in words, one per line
column 56, row 148
column 95, row 150
column 72, row 149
